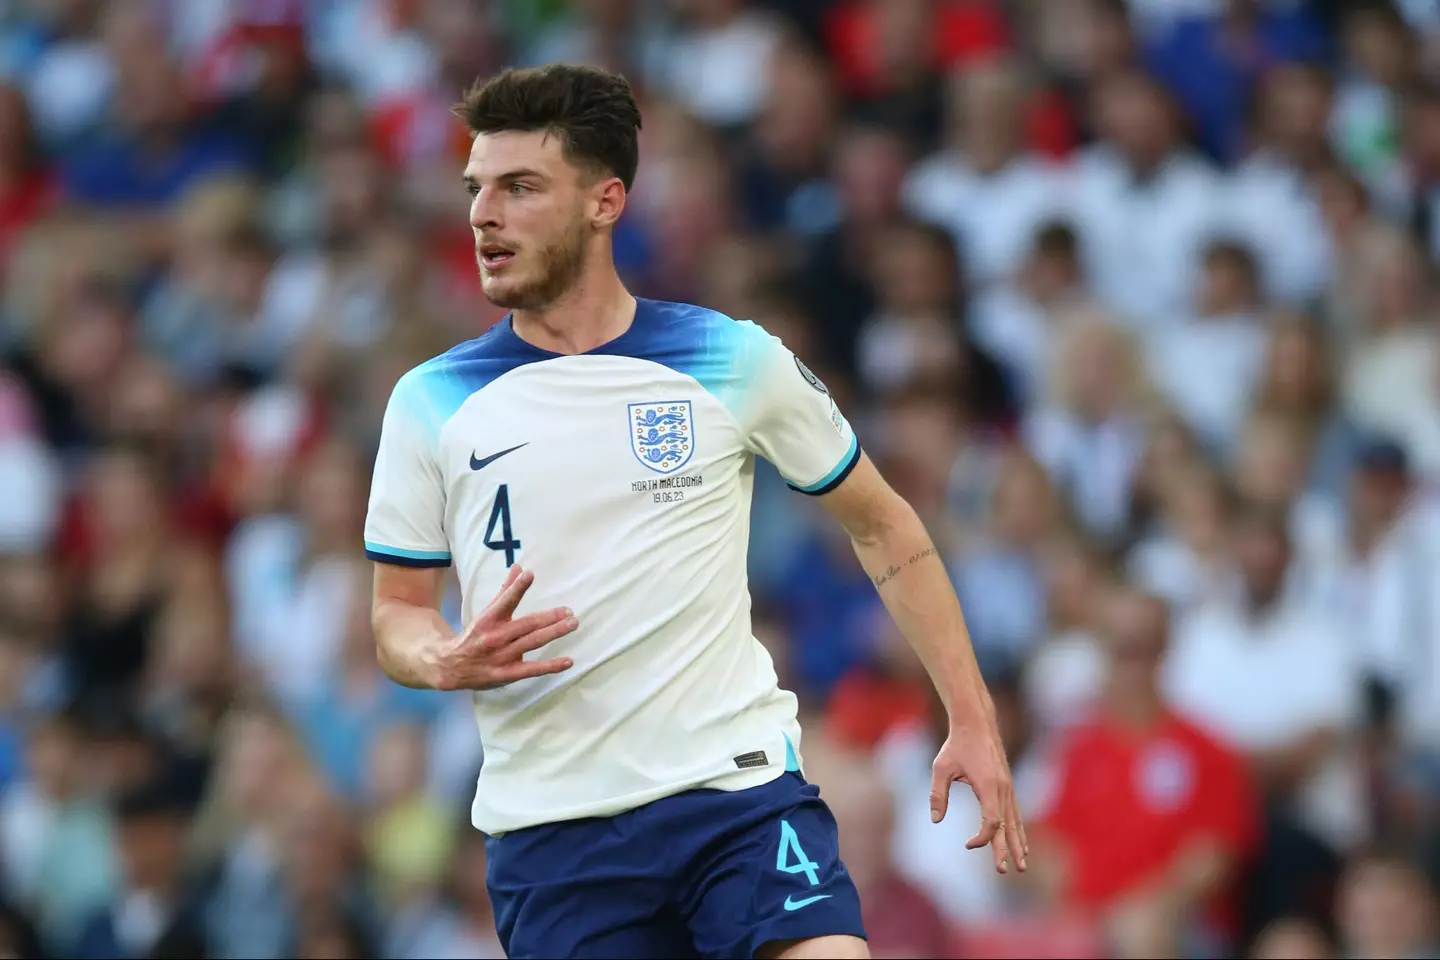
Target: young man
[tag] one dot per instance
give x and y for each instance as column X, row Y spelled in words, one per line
column 641, row 787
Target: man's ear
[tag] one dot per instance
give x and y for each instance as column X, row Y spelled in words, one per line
column 609, row 202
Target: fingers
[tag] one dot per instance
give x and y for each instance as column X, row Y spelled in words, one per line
column 940, row 780
column 509, row 597
column 1000, row 848
column 989, row 826
column 1020, row 842
column 1014, row 842
column 524, row 669
column 537, row 638
column 507, row 633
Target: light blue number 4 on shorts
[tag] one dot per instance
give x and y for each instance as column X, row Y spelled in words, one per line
column 790, row 844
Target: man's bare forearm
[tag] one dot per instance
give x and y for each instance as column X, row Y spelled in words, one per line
column 909, row 575
column 406, row 640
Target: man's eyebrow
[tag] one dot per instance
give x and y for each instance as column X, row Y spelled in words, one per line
column 510, row 176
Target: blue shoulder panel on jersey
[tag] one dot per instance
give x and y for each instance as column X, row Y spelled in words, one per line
column 714, row 349
column 437, row 387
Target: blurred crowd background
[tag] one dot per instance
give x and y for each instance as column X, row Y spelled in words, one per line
column 1135, row 302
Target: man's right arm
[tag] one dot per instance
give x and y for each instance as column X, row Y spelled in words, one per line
column 417, row 648
column 409, row 630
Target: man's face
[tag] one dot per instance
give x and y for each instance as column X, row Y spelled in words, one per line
column 530, row 211
column 1135, row 628
column 1263, row 553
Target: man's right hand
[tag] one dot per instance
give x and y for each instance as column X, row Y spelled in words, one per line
column 490, row 652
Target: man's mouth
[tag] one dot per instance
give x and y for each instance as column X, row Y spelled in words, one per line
column 493, row 255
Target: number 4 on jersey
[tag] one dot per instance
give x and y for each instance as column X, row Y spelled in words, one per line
column 500, row 520
column 790, row 843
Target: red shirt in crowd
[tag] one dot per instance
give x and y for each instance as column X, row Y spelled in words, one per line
column 964, row 31
column 1129, row 801
column 865, row 706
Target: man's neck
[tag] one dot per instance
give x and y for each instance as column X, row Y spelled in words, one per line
column 1261, row 606
column 593, row 312
column 1134, row 709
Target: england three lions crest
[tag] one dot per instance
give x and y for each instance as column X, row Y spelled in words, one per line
column 662, row 435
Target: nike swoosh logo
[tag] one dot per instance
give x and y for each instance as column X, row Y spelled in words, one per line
column 481, row 464
column 793, row 904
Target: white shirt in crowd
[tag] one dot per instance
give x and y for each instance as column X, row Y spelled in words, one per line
column 1142, row 239
column 1264, row 682
column 993, row 217
column 1207, row 367
column 722, row 74
column 1272, row 210
column 1093, row 464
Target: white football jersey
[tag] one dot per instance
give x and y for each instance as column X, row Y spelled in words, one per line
column 621, row 477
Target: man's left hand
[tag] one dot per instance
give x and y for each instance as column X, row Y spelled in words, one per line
column 976, row 756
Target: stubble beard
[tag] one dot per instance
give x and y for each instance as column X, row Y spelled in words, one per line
column 560, row 266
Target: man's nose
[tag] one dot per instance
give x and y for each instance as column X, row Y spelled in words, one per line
column 485, row 211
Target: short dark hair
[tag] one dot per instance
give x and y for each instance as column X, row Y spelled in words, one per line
column 1057, row 238
column 592, row 111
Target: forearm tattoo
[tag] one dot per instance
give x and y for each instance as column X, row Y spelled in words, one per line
column 893, row 569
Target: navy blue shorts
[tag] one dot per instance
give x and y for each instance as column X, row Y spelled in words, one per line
column 708, row 873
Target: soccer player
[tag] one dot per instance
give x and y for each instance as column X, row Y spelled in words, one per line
column 586, row 464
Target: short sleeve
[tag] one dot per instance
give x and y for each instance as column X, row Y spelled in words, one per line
column 405, row 523
column 795, row 424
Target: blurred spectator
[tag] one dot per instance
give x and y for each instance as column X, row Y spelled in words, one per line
column 1387, row 909
column 1207, row 366
column 900, row 920
column 155, row 913
column 460, row 923
column 155, row 146
column 27, row 188
column 999, row 575
column 123, row 560
column 1064, row 673
column 1298, row 383
column 1274, row 205
column 1019, row 322
column 603, row 33
column 1292, row 939
column 1088, row 432
column 984, row 187
column 1379, row 58
column 1281, row 681
column 352, row 701
column 409, row 835
column 718, row 65
column 1167, row 878
column 913, row 339
column 1185, row 558
column 1212, row 62
column 783, row 164
column 1143, row 203
column 60, row 861
column 836, row 281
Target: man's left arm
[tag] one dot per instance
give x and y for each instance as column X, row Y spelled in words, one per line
column 909, row 574
column 793, row 422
